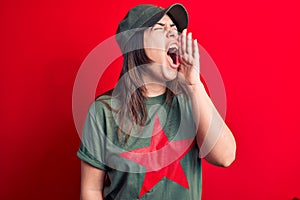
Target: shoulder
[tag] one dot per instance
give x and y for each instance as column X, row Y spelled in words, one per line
column 104, row 105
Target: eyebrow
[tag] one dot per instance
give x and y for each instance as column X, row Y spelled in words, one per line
column 162, row 24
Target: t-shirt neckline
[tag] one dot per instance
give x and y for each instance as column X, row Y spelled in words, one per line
column 160, row 99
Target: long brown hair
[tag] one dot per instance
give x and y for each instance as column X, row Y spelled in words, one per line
column 130, row 89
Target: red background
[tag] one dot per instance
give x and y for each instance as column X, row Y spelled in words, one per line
column 255, row 45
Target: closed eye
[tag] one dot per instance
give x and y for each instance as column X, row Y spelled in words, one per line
column 161, row 26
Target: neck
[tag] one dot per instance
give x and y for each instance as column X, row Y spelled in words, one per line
column 155, row 89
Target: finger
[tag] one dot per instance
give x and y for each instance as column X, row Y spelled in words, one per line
column 179, row 45
column 196, row 50
column 183, row 42
column 189, row 45
column 196, row 56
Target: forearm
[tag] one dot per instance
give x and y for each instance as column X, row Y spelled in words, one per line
column 91, row 182
column 91, row 195
column 215, row 140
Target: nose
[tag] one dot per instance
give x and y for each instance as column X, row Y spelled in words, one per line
column 171, row 32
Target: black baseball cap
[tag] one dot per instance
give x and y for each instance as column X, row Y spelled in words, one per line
column 146, row 15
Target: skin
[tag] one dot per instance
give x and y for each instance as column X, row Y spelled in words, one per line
column 220, row 146
column 156, row 42
column 92, row 180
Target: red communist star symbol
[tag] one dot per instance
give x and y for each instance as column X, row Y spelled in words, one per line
column 161, row 159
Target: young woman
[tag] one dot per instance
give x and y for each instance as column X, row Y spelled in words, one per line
column 145, row 138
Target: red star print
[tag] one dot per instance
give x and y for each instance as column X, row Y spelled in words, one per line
column 161, row 159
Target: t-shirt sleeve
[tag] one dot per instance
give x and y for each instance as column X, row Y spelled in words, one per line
column 93, row 139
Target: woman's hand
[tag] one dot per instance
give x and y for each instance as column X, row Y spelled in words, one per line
column 189, row 57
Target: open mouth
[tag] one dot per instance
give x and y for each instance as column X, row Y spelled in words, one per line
column 173, row 53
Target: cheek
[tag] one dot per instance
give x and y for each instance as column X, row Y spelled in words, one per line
column 155, row 54
column 154, row 42
column 154, row 47
column 155, row 50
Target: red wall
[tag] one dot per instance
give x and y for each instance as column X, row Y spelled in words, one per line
column 255, row 45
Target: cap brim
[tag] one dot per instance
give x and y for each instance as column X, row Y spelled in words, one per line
column 178, row 15
column 176, row 12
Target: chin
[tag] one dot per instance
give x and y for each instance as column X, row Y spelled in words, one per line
column 171, row 75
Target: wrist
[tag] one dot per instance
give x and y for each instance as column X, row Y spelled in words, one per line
column 195, row 83
column 194, row 79
column 196, row 86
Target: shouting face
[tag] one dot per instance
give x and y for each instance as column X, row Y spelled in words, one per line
column 161, row 46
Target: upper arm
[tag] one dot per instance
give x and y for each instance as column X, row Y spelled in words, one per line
column 92, row 180
column 223, row 152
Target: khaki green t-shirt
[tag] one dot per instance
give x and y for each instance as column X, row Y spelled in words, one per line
column 159, row 160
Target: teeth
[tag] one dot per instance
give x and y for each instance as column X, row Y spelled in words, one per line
column 173, row 46
column 173, row 52
column 173, row 49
